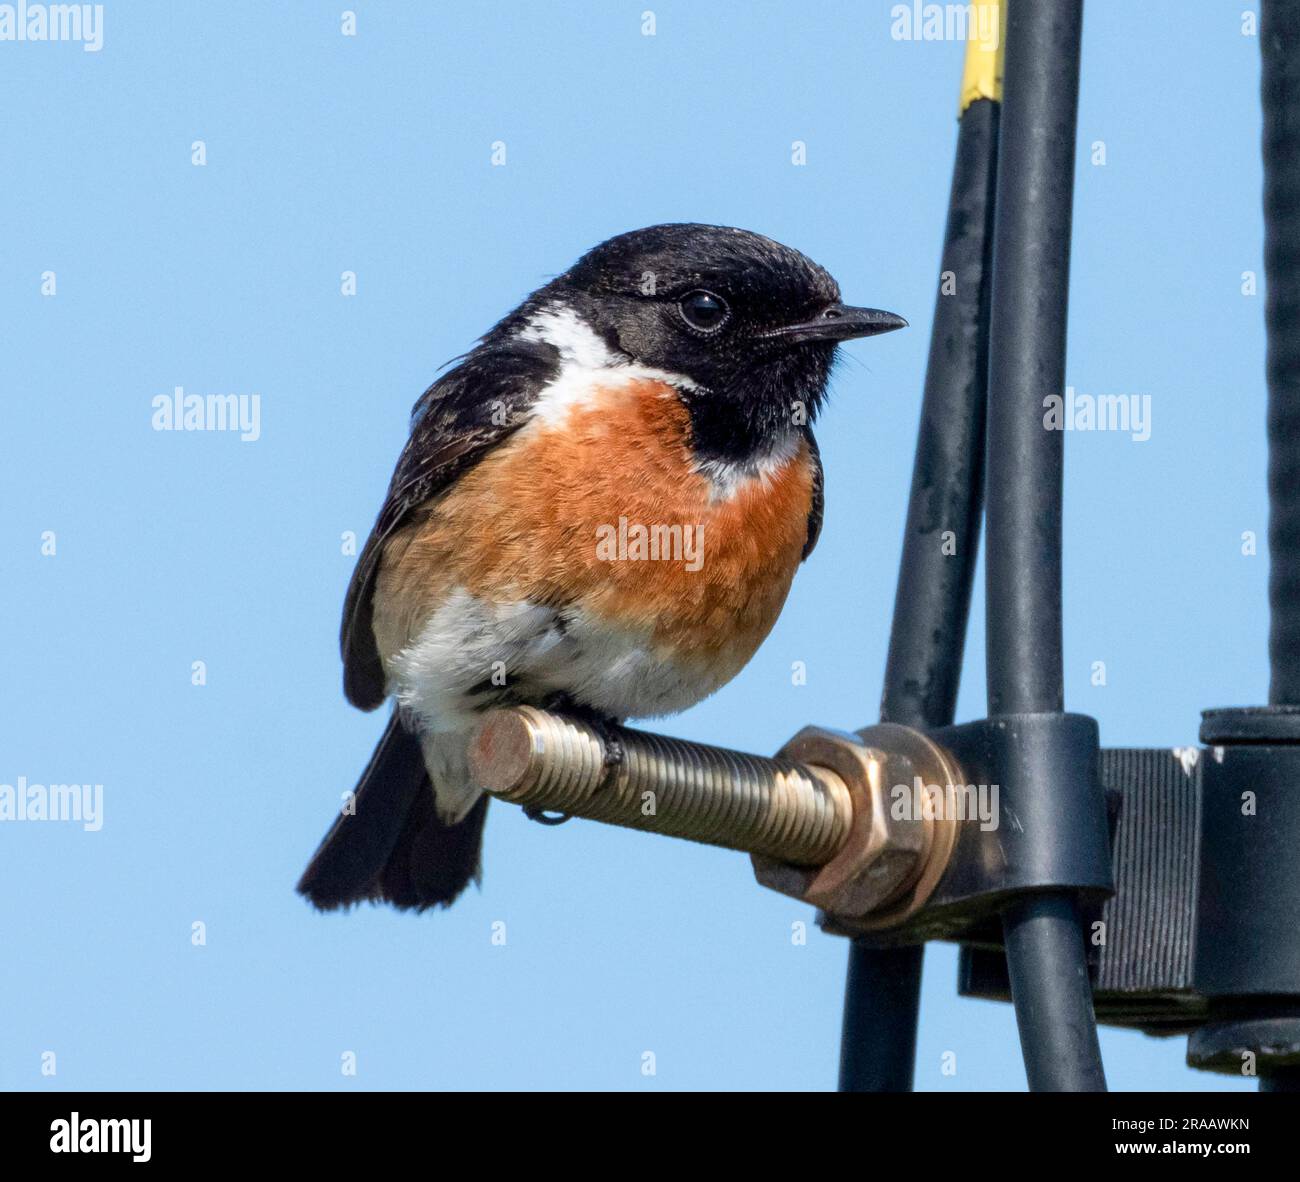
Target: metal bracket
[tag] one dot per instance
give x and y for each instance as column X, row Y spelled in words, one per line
column 1201, row 936
column 1011, row 807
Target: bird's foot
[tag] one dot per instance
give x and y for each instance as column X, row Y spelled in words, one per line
column 605, row 725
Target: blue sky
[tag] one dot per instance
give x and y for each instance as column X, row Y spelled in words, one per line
column 373, row 154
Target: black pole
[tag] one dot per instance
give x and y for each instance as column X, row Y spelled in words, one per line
column 1280, row 89
column 883, row 988
column 1280, row 92
column 882, row 1002
column 1031, row 258
column 1031, row 263
column 935, row 576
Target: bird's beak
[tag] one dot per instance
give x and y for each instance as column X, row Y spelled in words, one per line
column 840, row 322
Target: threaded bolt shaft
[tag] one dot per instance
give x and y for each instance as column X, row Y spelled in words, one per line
column 795, row 813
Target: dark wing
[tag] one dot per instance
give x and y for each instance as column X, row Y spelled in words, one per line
column 818, row 495
column 456, row 422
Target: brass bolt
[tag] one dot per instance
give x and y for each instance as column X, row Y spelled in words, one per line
column 818, row 819
column 775, row 807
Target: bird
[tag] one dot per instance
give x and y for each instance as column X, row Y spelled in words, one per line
column 600, row 509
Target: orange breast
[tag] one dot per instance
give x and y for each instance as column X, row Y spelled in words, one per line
column 605, row 511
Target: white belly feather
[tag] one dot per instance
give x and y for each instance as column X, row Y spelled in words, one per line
column 470, row 647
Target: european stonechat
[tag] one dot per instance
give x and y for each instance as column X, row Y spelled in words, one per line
column 600, row 510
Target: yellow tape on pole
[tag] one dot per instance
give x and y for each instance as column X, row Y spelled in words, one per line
column 982, row 76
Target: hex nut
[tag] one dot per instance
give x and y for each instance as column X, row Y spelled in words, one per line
column 892, row 859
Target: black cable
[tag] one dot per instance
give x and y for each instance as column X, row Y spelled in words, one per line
column 927, row 638
column 1280, row 91
column 936, row 572
column 882, row 1002
column 1031, row 258
column 1030, row 292
column 1052, row 995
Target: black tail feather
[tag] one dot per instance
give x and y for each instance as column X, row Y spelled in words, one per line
column 432, row 861
column 392, row 846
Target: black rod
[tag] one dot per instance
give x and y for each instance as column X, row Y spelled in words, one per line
column 1279, row 43
column 882, row 1003
column 1280, row 90
column 932, row 602
column 1052, row 995
column 883, row 989
column 1031, row 260
column 1030, row 292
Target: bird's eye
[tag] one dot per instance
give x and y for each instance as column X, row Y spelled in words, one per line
column 703, row 311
